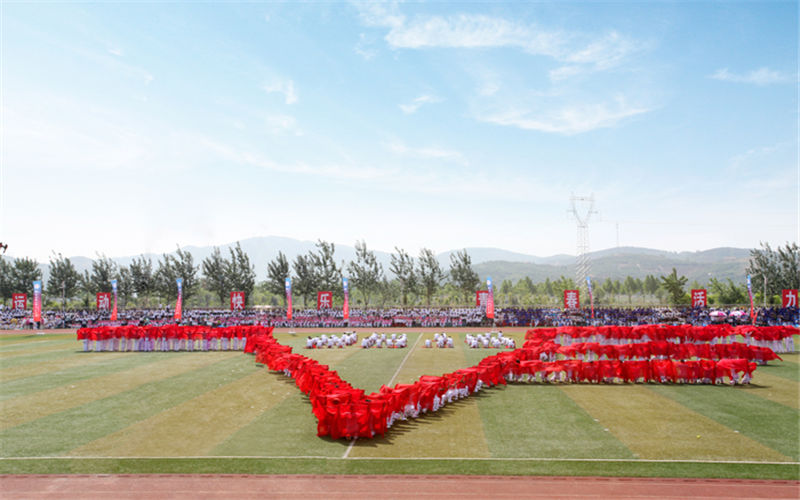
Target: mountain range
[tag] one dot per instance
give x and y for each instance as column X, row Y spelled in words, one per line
column 615, row 263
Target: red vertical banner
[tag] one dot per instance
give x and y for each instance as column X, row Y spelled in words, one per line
column 346, row 306
column 324, row 300
column 489, row 299
column 179, row 301
column 572, row 299
column 789, row 297
column 19, row 301
column 237, row 301
column 114, row 291
column 699, row 297
column 37, row 301
column 103, row 301
column 288, row 287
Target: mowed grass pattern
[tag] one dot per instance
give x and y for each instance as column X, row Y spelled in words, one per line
column 58, row 401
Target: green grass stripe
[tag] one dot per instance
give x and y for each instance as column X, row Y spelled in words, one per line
column 39, row 357
column 287, row 429
column 657, row 427
column 525, row 420
column 54, row 374
column 777, row 389
column 10, row 349
column 196, row 426
column 368, row 369
column 398, row 466
column 67, row 361
column 741, row 409
column 22, row 338
column 23, row 409
column 455, row 430
column 60, row 432
column 786, row 369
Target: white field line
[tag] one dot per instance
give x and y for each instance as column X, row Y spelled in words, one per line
column 353, row 442
column 411, row 459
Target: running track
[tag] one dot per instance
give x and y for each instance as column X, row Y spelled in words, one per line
column 201, row 486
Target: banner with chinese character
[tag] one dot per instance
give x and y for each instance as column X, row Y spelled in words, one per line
column 103, row 301
column 19, row 301
column 346, row 306
column 37, row 301
column 489, row 299
column 572, row 299
column 699, row 297
column 789, row 297
column 750, row 293
column 179, row 301
column 288, row 287
column 591, row 295
column 114, row 291
column 237, row 301
column 481, row 298
column 324, row 300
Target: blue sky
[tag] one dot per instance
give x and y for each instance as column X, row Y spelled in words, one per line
column 132, row 127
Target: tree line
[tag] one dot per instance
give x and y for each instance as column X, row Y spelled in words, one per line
column 409, row 280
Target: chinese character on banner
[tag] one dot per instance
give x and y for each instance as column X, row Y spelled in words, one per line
column 288, row 287
column 789, row 297
column 490, row 299
column 37, row 301
column 699, row 297
column 572, row 299
column 179, row 301
column 324, row 300
column 481, row 298
column 346, row 305
column 103, row 301
column 237, row 301
column 19, row 301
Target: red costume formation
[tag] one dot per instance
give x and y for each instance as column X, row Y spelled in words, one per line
column 663, row 356
column 166, row 338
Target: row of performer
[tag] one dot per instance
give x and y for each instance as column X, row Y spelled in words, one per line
column 343, row 411
column 166, row 338
column 778, row 338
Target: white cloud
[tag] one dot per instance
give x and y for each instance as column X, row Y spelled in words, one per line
column 433, row 153
column 282, row 124
column 569, row 119
column 414, row 105
column 115, row 51
column 364, row 47
column 285, row 87
column 761, row 76
column 385, row 14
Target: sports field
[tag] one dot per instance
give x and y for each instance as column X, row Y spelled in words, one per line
column 65, row 411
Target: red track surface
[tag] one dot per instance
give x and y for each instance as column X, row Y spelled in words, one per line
column 185, row 486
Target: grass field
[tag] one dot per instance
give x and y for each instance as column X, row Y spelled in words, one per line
column 65, row 411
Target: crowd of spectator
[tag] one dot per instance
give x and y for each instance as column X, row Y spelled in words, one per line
column 402, row 317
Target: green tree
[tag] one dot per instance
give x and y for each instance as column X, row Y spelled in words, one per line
column 277, row 272
column 141, row 276
column 365, row 272
column 103, row 271
column 674, row 286
column 462, row 275
column 305, row 283
column 729, row 293
column 630, row 287
column 241, row 274
column 170, row 268
column 6, row 280
column 64, row 278
column 215, row 275
column 402, row 266
column 328, row 274
column 781, row 267
column 430, row 273
column 24, row 273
